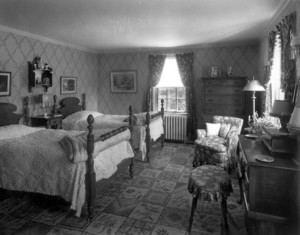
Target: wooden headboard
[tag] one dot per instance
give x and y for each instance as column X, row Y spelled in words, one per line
column 71, row 105
column 7, row 115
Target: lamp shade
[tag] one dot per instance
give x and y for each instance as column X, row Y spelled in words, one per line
column 253, row 85
column 280, row 108
column 294, row 122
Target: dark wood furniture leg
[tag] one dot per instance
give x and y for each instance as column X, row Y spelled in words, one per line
column 194, row 206
column 224, row 209
column 90, row 174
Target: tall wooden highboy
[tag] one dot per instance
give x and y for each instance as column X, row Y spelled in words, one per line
column 224, row 96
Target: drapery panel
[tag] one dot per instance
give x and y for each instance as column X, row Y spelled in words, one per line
column 287, row 28
column 185, row 66
column 267, row 98
column 156, row 65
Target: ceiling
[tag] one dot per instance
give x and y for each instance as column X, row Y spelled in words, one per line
column 118, row 25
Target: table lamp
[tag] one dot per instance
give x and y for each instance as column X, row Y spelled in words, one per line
column 282, row 110
column 294, row 123
column 253, row 85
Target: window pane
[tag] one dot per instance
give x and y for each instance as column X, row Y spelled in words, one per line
column 172, row 104
column 162, row 93
column 181, row 93
column 181, row 105
column 172, row 93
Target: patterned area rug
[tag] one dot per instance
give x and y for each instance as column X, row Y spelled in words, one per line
column 155, row 202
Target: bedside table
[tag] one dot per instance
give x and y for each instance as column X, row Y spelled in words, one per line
column 50, row 121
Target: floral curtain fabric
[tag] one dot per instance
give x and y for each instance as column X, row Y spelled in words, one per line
column 267, row 99
column 287, row 28
column 156, row 65
column 185, row 66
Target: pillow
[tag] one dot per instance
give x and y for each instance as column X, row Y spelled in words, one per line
column 224, row 129
column 138, row 119
column 212, row 129
column 69, row 121
column 16, row 130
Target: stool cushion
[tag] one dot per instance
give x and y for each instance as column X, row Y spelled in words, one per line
column 209, row 182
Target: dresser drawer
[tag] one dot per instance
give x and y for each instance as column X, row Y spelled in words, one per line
column 223, row 90
column 224, row 82
column 223, row 109
column 224, row 99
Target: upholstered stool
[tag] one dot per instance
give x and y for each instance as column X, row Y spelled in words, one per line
column 208, row 154
column 212, row 183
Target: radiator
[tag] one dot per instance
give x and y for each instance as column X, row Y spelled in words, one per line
column 175, row 127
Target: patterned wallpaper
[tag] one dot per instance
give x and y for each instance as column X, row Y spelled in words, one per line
column 244, row 60
column 16, row 51
column 93, row 71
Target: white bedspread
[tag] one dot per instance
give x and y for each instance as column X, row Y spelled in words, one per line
column 156, row 128
column 77, row 121
column 37, row 163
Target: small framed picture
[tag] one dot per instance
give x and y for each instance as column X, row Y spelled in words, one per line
column 68, row 85
column 123, row 81
column 5, row 83
column 214, row 71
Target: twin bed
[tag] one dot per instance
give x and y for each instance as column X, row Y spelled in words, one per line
column 145, row 127
column 59, row 162
column 66, row 163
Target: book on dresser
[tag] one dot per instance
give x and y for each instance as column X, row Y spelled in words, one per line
column 277, row 141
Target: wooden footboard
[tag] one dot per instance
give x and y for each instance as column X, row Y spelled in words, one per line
column 150, row 117
column 90, row 173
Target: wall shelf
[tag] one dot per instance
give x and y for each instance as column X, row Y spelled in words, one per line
column 39, row 75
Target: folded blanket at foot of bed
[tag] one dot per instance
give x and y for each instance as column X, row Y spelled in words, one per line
column 75, row 146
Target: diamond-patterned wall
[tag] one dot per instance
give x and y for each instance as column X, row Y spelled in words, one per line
column 244, row 60
column 16, row 51
column 93, row 71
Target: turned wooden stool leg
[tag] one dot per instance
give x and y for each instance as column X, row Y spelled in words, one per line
column 224, row 209
column 194, row 205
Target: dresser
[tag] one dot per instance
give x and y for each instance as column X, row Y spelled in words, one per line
column 224, row 96
column 268, row 189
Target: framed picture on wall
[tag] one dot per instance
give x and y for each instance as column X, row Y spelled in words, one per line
column 68, row 85
column 5, row 83
column 123, row 81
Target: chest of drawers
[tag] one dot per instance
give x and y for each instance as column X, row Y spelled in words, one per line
column 224, row 96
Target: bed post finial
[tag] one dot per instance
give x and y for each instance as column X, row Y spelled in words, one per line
column 83, row 102
column 54, row 105
column 26, row 111
column 90, row 173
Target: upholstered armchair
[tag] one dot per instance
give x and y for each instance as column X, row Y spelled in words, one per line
column 217, row 144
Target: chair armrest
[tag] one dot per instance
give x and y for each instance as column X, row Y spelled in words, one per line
column 201, row 133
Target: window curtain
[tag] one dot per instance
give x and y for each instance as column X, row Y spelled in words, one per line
column 287, row 28
column 267, row 99
column 185, row 66
column 156, row 65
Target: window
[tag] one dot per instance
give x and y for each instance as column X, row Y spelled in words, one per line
column 174, row 98
column 275, row 90
column 170, row 88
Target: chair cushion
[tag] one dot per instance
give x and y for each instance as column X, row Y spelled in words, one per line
column 224, row 129
column 212, row 129
column 214, row 143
